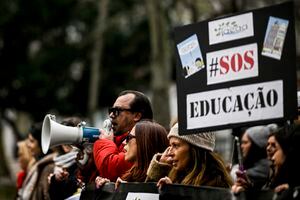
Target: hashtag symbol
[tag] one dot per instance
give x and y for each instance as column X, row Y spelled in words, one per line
column 213, row 67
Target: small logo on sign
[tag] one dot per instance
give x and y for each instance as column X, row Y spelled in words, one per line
column 231, row 28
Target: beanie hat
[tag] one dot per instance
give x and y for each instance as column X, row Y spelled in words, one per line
column 259, row 135
column 204, row 140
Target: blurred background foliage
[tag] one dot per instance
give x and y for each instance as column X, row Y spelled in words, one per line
column 72, row 57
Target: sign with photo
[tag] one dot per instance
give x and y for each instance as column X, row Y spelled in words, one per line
column 238, row 70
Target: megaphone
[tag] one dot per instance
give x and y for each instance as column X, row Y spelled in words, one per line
column 54, row 134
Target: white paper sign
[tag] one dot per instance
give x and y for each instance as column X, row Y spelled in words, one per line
column 239, row 104
column 142, row 196
column 232, row 64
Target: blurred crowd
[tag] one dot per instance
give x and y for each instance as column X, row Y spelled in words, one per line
column 138, row 149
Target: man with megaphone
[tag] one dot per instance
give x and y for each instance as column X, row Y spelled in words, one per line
column 129, row 108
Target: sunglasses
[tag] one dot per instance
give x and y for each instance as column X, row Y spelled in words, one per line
column 117, row 110
column 129, row 137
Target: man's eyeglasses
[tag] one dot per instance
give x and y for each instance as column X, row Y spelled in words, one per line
column 117, row 110
column 129, row 137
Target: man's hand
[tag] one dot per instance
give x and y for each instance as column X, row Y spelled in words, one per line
column 105, row 135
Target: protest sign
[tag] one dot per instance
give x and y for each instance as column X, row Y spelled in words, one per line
column 237, row 70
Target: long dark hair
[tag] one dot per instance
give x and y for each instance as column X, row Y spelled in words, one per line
column 151, row 138
column 281, row 177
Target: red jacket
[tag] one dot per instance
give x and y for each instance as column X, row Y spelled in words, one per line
column 20, row 178
column 109, row 158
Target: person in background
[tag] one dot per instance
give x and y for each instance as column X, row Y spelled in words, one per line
column 25, row 160
column 191, row 161
column 35, row 185
column 63, row 181
column 109, row 155
column 277, row 150
column 253, row 174
column 145, row 139
column 293, row 165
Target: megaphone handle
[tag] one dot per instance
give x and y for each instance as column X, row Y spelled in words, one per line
column 90, row 134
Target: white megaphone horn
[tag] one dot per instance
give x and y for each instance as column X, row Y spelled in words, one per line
column 54, row 134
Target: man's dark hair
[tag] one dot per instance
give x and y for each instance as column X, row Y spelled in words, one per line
column 140, row 103
column 36, row 132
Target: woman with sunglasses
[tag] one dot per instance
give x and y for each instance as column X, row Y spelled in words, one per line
column 145, row 139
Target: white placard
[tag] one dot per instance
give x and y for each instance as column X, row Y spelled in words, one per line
column 260, row 101
column 142, row 196
column 232, row 64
